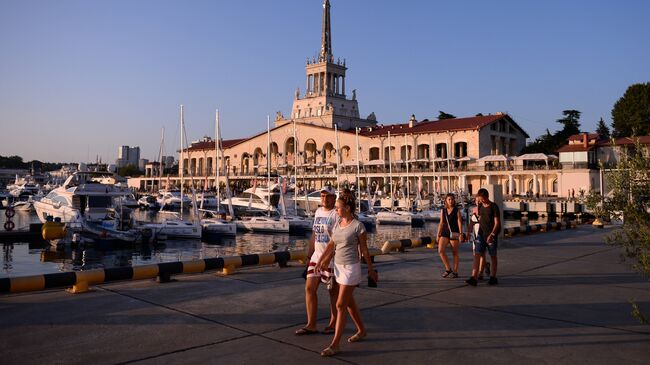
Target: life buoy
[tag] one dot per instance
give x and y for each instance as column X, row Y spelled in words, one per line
column 9, row 226
column 10, row 212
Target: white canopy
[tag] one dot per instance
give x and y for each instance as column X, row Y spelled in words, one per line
column 494, row 158
column 418, row 160
column 375, row 162
column 350, row 163
column 536, row 157
column 441, row 159
column 466, row 158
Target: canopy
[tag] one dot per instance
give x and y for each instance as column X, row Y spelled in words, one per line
column 466, row 158
column 494, row 158
column 535, row 157
column 375, row 162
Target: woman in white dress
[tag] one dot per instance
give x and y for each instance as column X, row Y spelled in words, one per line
column 348, row 243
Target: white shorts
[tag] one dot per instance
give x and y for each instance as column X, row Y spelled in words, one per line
column 348, row 274
column 324, row 275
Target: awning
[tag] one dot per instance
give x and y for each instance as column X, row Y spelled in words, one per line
column 376, row 163
column 465, row 159
column 494, row 158
column 535, row 157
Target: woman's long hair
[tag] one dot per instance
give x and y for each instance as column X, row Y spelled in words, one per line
column 450, row 195
column 346, row 197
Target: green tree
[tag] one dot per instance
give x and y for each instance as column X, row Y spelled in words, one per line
column 631, row 113
column 629, row 199
column 442, row 115
column 602, row 130
column 571, row 122
column 128, row 170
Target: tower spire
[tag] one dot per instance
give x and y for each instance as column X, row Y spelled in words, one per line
column 326, row 36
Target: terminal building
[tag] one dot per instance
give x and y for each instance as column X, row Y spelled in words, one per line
column 324, row 141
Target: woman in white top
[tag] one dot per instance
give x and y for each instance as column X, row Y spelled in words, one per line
column 348, row 243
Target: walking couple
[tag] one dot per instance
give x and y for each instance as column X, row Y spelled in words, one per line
column 488, row 218
column 339, row 235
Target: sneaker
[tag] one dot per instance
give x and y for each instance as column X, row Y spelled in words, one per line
column 471, row 281
column 487, row 268
column 493, row 280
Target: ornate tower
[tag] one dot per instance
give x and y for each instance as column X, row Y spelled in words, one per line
column 324, row 101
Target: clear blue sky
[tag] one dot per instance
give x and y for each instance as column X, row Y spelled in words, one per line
column 80, row 78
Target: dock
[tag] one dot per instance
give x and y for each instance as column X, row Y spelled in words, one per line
column 563, row 297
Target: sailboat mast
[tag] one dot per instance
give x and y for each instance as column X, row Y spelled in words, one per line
column 161, row 153
column 356, row 138
column 216, row 158
column 338, row 157
column 390, row 171
column 268, row 164
column 179, row 164
column 406, row 158
column 295, row 169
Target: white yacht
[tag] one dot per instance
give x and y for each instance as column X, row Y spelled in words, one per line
column 263, row 224
column 394, row 218
column 252, row 201
column 148, row 202
column 207, row 201
column 171, row 200
column 79, row 198
column 173, row 228
column 213, row 224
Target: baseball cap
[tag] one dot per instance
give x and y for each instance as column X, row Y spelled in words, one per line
column 329, row 190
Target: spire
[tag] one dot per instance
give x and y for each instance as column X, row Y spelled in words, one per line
column 326, row 36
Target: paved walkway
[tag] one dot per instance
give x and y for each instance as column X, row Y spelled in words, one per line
column 563, row 298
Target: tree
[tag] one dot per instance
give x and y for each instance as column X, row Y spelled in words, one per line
column 631, row 113
column 602, row 130
column 571, row 122
column 444, row 115
column 629, row 199
column 128, row 170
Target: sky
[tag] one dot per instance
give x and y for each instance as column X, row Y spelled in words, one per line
column 78, row 79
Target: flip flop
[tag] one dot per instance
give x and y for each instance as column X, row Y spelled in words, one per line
column 357, row 337
column 328, row 331
column 305, row 331
column 329, row 351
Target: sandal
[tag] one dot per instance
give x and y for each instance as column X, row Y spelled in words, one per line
column 446, row 273
column 328, row 330
column 357, row 337
column 305, row 331
column 454, row 275
column 329, row 351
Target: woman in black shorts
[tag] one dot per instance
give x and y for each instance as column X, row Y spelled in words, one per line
column 450, row 232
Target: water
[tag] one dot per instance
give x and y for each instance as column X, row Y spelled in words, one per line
column 22, row 258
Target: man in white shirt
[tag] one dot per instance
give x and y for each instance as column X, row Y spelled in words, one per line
column 324, row 220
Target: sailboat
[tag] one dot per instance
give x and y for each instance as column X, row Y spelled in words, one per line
column 215, row 224
column 271, row 222
column 366, row 218
column 176, row 227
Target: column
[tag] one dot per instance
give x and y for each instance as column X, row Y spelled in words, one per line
column 510, row 182
column 534, row 184
column 343, row 88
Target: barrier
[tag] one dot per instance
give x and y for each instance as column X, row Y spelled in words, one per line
column 400, row 245
column 79, row 281
column 509, row 232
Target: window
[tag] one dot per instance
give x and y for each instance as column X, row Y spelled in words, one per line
column 460, row 149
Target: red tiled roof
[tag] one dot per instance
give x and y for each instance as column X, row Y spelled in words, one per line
column 575, row 148
column 627, row 141
column 579, row 136
column 209, row 145
column 438, row 126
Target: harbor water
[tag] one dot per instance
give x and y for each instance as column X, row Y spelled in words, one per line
column 32, row 258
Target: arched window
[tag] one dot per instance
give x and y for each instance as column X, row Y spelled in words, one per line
column 310, row 151
column 374, row 153
column 423, row 151
column 460, row 149
column 441, row 150
column 554, row 186
column 328, row 152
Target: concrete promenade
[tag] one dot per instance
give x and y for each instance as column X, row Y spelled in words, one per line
column 563, row 298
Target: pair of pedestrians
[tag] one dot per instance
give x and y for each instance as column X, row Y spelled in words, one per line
column 450, row 233
column 340, row 236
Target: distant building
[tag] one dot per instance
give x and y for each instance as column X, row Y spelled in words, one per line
column 127, row 156
column 142, row 163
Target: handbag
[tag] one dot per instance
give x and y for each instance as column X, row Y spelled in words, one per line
column 452, row 235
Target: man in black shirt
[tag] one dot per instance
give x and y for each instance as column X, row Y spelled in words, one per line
column 488, row 231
